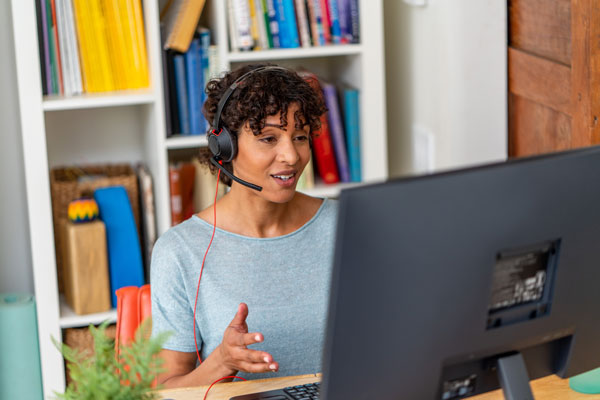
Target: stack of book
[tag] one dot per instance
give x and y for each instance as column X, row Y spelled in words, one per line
column 272, row 24
column 186, row 75
column 336, row 146
column 91, row 46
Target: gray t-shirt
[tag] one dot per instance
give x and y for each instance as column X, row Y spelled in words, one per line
column 284, row 280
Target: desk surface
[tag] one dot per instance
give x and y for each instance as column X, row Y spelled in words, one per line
column 549, row 388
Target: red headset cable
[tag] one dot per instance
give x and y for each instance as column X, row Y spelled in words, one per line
column 198, row 287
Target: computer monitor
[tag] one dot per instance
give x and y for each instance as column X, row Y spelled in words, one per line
column 453, row 284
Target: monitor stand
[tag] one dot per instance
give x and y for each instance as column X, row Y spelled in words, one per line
column 513, row 377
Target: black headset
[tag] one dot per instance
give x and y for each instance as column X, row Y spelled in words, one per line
column 222, row 144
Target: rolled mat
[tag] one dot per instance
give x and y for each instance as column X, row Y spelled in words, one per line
column 21, row 376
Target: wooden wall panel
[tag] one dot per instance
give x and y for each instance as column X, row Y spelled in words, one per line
column 541, row 27
column 535, row 128
column 540, row 80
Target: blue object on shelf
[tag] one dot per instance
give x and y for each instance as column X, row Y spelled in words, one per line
column 122, row 241
column 588, row 382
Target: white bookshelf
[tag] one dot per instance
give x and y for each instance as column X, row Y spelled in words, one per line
column 130, row 127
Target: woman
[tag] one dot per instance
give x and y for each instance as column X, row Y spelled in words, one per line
column 263, row 295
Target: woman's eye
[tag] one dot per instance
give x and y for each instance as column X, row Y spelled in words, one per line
column 302, row 138
column 268, row 139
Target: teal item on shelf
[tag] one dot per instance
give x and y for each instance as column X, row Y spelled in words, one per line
column 588, row 382
column 21, row 376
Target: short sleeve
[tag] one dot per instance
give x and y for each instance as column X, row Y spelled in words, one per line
column 171, row 309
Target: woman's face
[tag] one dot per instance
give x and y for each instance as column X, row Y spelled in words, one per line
column 275, row 158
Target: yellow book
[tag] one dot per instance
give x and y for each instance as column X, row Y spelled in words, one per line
column 101, row 45
column 140, row 45
column 113, row 41
column 84, row 60
column 95, row 83
column 254, row 24
column 181, row 20
column 125, row 14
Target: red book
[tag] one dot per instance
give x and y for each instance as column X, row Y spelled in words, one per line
column 187, row 177
column 322, row 143
column 175, row 186
column 326, row 20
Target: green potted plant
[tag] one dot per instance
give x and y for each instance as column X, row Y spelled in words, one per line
column 105, row 376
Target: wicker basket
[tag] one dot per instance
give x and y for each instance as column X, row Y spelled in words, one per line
column 66, row 185
column 81, row 340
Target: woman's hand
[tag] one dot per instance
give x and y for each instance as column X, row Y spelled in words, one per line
column 234, row 349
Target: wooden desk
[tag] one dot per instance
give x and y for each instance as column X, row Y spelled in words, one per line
column 549, row 388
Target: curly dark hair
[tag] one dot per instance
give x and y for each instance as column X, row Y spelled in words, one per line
column 260, row 95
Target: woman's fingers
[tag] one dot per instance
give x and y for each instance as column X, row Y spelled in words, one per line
column 258, row 367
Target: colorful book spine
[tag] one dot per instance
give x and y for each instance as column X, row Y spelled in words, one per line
column 286, row 18
column 66, row 69
column 334, row 16
column 52, row 49
column 193, row 72
column 312, row 20
column 324, row 7
column 337, row 130
column 59, row 66
column 267, row 23
column 181, row 90
column 141, row 57
column 263, row 38
column 316, row 6
column 343, row 16
column 352, row 125
column 205, row 63
column 273, row 23
column 322, row 142
column 354, row 21
column 303, row 23
column 254, row 25
column 241, row 15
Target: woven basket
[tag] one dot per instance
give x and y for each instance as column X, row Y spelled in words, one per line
column 66, row 185
column 81, row 340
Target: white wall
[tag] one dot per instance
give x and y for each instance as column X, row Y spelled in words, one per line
column 446, row 83
column 15, row 259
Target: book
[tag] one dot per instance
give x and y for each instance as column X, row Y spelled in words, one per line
column 181, row 19
column 286, row 19
column 263, row 37
column 267, row 23
column 40, row 11
column 140, row 60
column 324, row 156
column 59, row 66
column 73, row 48
column 187, row 177
column 325, row 21
column 317, row 27
column 240, row 10
column 337, row 130
column 352, row 126
column 175, row 194
column 193, row 78
column 181, row 91
column 148, row 216
column 254, row 25
column 273, row 23
column 354, row 21
column 344, row 21
column 106, row 77
column 334, row 18
column 303, row 23
column 52, row 50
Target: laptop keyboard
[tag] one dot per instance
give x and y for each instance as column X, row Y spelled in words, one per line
column 310, row 391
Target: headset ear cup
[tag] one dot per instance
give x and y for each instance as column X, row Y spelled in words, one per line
column 226, row 145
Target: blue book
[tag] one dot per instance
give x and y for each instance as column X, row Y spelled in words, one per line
column 204, row 46
column 337, row 130
column 334, row 15
column 182, row 97
column 122, row 241
column 352, row 126
column 286, row 19
column 193, row 74
column 273, row 24
column 353, row 22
